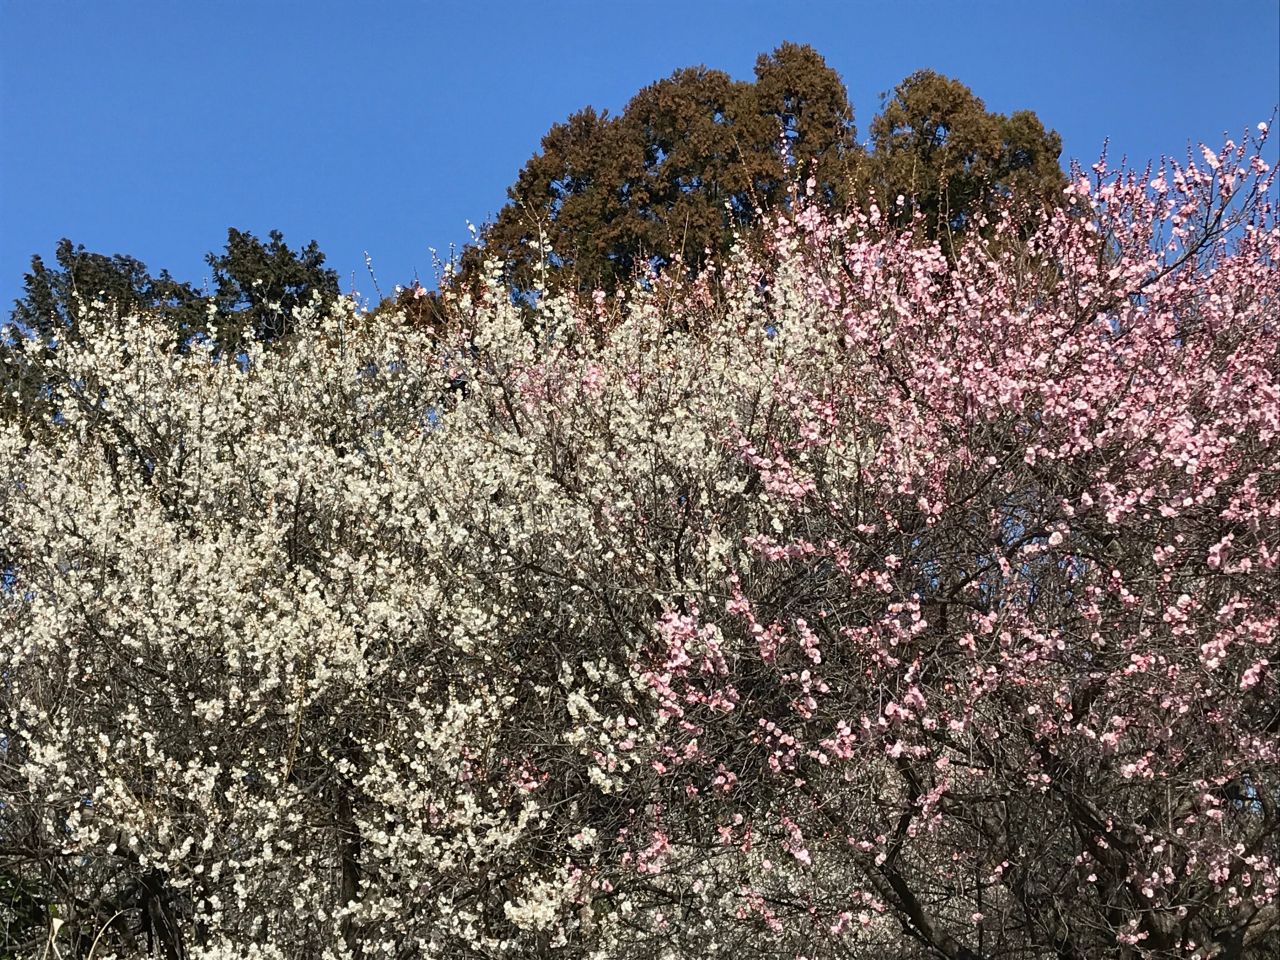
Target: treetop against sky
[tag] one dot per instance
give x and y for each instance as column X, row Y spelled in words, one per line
column 148, row 129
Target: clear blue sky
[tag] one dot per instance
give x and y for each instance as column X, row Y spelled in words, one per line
column 148, row 127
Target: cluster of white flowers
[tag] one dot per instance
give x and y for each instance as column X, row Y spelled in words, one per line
column 307, row 648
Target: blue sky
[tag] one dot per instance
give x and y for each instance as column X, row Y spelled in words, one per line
column 147, row 127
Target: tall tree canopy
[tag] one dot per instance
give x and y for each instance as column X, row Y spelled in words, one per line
column 53, row 301
column 53, row 297
column 256, row 287
column 695, row 158
column 690, row 159
column 936, row 145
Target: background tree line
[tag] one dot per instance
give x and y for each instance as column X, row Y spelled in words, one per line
column 692, row 162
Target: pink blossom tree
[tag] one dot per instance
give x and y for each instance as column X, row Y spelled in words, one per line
column 864, row 602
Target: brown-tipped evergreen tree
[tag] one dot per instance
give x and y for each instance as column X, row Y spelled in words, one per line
column 696, row 157
column 691, row 159
column 937, row 146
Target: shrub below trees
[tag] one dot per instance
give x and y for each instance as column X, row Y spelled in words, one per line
column 866, row 602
